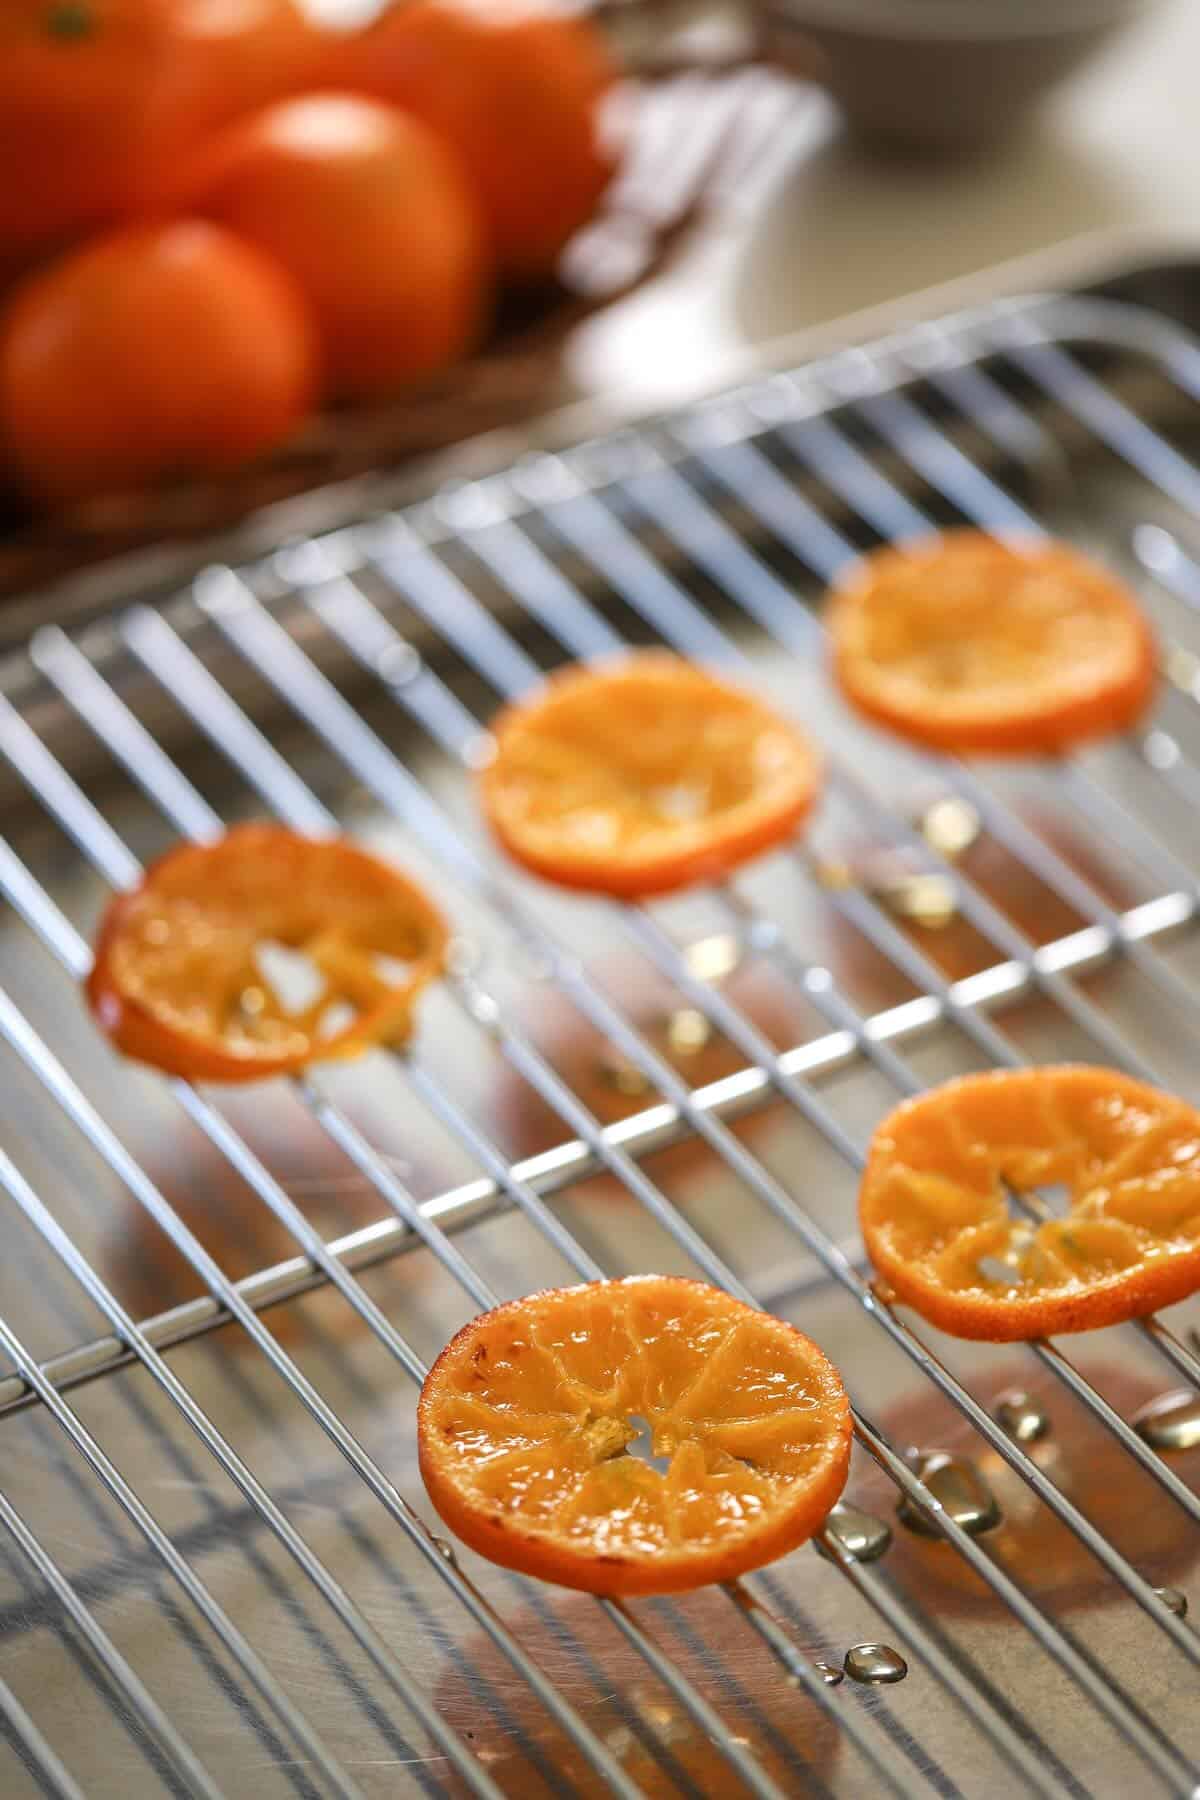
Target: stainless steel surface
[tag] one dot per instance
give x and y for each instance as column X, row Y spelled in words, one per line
column 218, row 1572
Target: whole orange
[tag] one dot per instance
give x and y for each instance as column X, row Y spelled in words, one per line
column 155, row 351
column 70, row 75
column 516, row 90
column 373, row 218
column 99, row 99
column 229, row 58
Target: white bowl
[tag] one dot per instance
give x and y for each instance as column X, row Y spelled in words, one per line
column 947, row 73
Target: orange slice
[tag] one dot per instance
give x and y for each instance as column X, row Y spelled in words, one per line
column 644, row 775
column 936, row 1223
column 525, row 1421
column 182, row 976
column 964, row 643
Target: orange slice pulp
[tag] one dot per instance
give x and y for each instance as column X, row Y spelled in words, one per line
column 181, row 977
column 963, row 643
column 936, row 1223
column 643, row 775
column 526, row 1419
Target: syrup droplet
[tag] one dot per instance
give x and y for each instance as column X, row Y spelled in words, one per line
column 688, row 1031
column 830, row 1674
column 623, row 1077
column 1174, row 1601
column 1172, row 1422
column 875, row 1663
column 712, row 958
column 1022, row 1417
column 961, row 1489
column 928, row 900
column 446, row 1550
column 860, row 1534
column 950, row 826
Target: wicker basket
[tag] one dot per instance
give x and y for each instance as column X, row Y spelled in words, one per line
column 683, row 126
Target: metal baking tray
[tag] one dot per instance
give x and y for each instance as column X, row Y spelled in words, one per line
column 218, row 1570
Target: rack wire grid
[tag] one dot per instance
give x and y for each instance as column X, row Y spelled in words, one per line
column 217, row 1574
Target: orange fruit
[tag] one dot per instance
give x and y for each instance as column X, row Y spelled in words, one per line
column 525, row 1420
column 69, row 118
column 514, row 89
column 643, row 775
column 181, row 977
column 964, row 643
column 98, row 98
column 371, row 216
column 229, row 58
column 158, row 351
column 934, row 1218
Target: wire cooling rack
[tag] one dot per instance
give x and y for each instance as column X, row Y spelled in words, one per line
column 219, row 1576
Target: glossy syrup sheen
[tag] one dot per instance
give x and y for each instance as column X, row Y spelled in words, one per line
column 644, row 766
column 531, row 1413
column 192, row 954
column 936, row 1213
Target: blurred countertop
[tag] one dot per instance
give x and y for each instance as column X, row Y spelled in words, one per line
column 824, row 230
column 820, row 229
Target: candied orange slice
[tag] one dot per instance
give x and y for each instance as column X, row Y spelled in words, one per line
column 963, row 643
column 526, row 1419
column 189, row 965
column 643, row 775
column 936, row 1221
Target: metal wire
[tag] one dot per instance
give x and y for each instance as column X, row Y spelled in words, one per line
column 52, row 1771
column 478, row 637
column 610, row 544
column 276, row 656
column 250, row 1663
column 38, row 1058
column 96, row 702
column 90, row 830
column 145, row 761
column 889, row 510
column 153, row 1719
column 596, row 524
